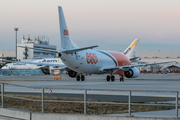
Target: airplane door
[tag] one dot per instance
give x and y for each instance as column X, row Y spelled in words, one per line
column 80, row 59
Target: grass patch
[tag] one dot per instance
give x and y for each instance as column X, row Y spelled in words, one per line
column 73, row 108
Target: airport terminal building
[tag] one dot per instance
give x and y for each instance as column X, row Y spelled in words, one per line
column 29, row 54
column 39, row 42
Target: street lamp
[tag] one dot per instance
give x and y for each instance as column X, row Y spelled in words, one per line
column 16, row 29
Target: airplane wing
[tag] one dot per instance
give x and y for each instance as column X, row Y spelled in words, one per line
column 39, row 64
column 127, row 67
column 145, row 64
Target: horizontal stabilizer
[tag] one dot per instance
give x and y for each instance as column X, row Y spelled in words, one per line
column 48, row 50
column 79, row 49
column 135, row 59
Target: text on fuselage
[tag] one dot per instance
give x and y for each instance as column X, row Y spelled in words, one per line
column 91, row 58
column 50, row 60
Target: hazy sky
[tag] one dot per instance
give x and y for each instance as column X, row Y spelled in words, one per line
column 111, row 24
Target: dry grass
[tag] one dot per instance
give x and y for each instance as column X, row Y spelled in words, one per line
column 73, row 108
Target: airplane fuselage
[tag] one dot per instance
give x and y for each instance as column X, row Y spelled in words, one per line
column 94, row 61
column 19, row 66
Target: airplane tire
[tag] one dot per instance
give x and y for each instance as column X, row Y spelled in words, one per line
column 78, row 78
column 122, row 79
column 112, row 78
column 82, row 78
column 108, row 78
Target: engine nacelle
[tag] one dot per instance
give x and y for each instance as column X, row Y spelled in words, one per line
column 72, row 73
column 132, row 73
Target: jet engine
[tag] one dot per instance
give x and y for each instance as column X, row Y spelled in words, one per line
column 132, row 73
column 72, row 73
column 45, row 70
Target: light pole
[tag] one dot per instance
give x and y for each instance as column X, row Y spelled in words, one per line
column 16, row 29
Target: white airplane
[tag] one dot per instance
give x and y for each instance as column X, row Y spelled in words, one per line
column 84, row 60
column 19, row 66
column 33, row 65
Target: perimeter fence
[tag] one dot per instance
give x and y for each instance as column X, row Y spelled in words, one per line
column 85, row 102
column 23, row 72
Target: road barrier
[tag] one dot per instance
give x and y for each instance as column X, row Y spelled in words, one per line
column 57, row 77
column 85, row 97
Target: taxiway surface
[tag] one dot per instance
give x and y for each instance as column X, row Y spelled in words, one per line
column 158, row 82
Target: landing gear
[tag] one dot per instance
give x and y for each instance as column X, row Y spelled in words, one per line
column 122, row 78
column 108, row 78
column 112, row 78
column 80, row 77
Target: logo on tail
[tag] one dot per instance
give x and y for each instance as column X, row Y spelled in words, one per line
column 66, row 32
column 131, row 46
column 135, row 43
